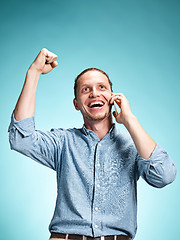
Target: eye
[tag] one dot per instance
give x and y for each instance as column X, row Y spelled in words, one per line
column 85, row 89
column 102, row 87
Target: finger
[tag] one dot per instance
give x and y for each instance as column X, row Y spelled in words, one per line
column 116, row 98
column 117, row 102
column 116, row 94
column 115, row 108
column 45, row 52
column 49, row 67
column 54, row 64
column 51, row 58
column 112, row 99
column 114, row 114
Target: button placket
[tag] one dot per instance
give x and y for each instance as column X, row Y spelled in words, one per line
column 98, row 185
column 96, row 194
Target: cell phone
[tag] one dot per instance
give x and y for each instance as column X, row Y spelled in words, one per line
column 115, row 107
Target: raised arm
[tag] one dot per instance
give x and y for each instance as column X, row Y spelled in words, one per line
column 44, row 63
column 41, row 146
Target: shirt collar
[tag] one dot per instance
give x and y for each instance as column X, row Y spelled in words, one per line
column 112, row 131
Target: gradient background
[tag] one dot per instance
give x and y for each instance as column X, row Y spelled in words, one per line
column 138, row 44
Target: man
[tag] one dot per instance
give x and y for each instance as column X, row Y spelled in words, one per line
column 97, row 166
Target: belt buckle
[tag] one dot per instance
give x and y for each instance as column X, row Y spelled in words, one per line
column 111, row 237
column 85, row 238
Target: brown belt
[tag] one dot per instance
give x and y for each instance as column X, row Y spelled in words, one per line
column 81, row 237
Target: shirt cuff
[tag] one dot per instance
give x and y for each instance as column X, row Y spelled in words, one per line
column 159, row 170
column 25, row 126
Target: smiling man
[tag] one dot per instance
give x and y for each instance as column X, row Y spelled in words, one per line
column 97, row 166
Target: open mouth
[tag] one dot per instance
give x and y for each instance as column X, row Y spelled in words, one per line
column 97, row 104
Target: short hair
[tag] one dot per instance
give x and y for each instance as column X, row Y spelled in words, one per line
column 87, row 70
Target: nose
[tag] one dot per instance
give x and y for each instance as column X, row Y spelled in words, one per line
column 94, row 93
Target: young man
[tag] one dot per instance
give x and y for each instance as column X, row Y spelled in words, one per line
column 97, row 166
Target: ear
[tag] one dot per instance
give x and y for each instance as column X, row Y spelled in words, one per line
column 76, row 104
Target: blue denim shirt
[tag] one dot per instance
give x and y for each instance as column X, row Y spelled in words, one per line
column 96, row 180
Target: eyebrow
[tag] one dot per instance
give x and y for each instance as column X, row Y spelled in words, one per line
column 87, row 84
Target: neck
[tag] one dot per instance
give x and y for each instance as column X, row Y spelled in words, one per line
column 100, row 127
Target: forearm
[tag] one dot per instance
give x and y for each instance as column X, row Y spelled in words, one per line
column 25, row 106
column 143, row 142
column 44, row 63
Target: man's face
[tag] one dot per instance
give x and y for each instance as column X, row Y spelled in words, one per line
column 93, row 96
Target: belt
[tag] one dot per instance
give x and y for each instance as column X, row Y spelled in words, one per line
column 82, row 237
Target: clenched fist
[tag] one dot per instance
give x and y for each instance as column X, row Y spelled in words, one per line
column 44, row 62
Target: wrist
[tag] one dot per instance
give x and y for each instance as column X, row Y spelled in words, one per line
column 130, row 120
column 32, row 76
column 33, row 70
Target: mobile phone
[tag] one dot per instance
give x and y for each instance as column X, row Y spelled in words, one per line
column 115, row 107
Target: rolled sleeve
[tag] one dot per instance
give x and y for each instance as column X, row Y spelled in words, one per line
column 159, row 170
column 26, row 126
column 41, row 146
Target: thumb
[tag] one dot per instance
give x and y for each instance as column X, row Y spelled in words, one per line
column 114, row 114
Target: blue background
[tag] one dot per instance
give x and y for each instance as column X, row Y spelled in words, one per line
column 137, row 44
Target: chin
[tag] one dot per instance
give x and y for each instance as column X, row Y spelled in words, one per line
column 99, row 117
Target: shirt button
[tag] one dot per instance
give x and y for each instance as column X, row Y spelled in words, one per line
column 98, row 185
column 96, row 226
column 96, row 208
column 99, row 144
column 98, row 165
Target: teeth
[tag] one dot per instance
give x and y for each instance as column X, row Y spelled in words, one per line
column 95, row 103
